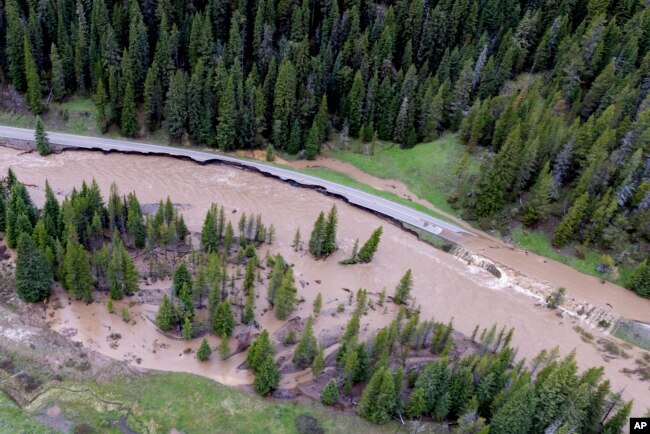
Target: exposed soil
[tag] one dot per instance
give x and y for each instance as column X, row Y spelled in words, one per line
column 445, row 287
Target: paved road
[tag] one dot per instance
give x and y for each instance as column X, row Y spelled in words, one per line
column 353, row 195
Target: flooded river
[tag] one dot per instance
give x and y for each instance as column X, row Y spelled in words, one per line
column 445, row 286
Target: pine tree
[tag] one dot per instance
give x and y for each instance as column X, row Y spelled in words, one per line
column 129, row 121
column 639, row 280
column 176, row 107
column 416, row 405
column 297, row 242
column 307, row 348
column 223, row 322
column 42, row 141
column 181, row 277
column 204, row 352
column 187, row 329
column 100, row 106
column 318, row 365
column 33, row 272
column 317, row 239
column 33, row 79
column 165, row 318
column 284, row 301
column 227, row 115
column 516, row 415
column 57, row 75
column 224, row 348
column 76, row 275
column 617, row 423
column 330, row 393
column 378, row 399
column 565, row 231
column 261, row 360
column 369, row 249
column 283, row 103
column 403, row 289
column 329, row 232
column 355, row 104
column 538, row 203
column 312, row 146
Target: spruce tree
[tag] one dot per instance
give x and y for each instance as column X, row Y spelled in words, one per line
column 416, row 405
column 318, row 365
column 317, row 239
column 284, row 301
column 369, row 249
column 42, row 141
column 204, row 352
column 639, row 280
column 187, row 329
column 100, row 106
column 312, row 146
column 318, row 304
column 224, row 348
column 165, row 318
column 33, row 272
column 181, row 277
column 176, row 107
column 538, row 203
column 617, row 423
column 329, row 232
column 227, row 115
column 403, row 289
column 128, row 120
column 77, row 277
column 223, row 321
column 565, row 231
column 33, row 79
column 57, row 75
column 307, row 348
column 330, row 393
column 378, row 399
column 261, row 360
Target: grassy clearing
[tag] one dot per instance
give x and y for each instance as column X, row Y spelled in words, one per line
column 160, row 402
column 427, row 169
column 540, row 244
column 340, row 178
column 15, row 420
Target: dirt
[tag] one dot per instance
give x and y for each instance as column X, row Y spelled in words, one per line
column 445, row 286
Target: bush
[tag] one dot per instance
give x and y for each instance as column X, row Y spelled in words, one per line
column 330, row 393
column 556, row 298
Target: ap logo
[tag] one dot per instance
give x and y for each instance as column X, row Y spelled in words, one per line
column 640, row 425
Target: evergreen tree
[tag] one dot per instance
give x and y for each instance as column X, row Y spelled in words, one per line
column 76, row 275
column 42, row 141
column 57, row 76
column 617, row 423
column 317, row 239
column 224, row 348
column 284, row 301
column 33, row 79
column 227, row 115
column 318, row 365
column 33, row 272
column 639, row 280
column 516, row 415
column 51, row 213
column 565, row 231
column 329, row 232
column 312, row 146
column 165, row 318
column 204, row 352
column 223, row 322
column 330, row 393
column 307, row 348
column 261, row 360
column 378, row 399
column 100, row 106
column 369, row 249
column 176, row 107
column 403, row 289
column 128, row 120
column 181, row 277
column 187, row 329
column 417, row 405
column 318, row 304
column 538, row 203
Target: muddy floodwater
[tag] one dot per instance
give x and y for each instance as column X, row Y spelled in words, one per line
column 445, row 286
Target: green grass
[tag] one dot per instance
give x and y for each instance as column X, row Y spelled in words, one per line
column 160, row 402
column 17, row 421
column 540, row 244
column 340, row 178
column 427, row 169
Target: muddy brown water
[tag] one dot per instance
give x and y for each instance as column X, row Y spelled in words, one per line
column 445, row 286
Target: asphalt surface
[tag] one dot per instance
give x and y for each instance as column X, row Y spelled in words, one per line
column 357, row 197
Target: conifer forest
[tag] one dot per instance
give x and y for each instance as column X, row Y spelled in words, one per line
column 546, row 107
